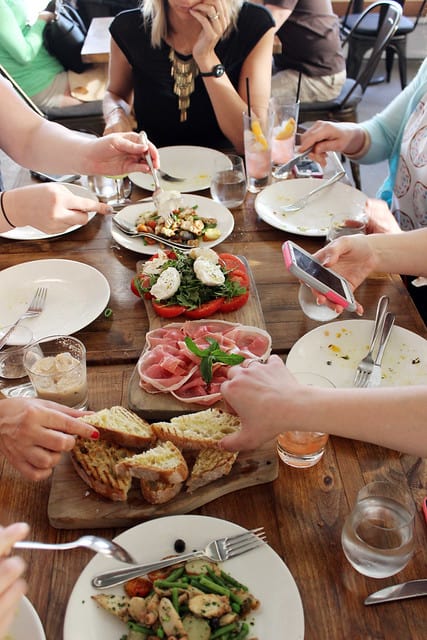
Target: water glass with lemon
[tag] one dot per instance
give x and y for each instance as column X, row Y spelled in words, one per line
column 285, row 119
column 257, row 142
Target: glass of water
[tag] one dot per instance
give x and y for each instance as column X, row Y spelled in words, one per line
column 228, row 184
column 378, row 535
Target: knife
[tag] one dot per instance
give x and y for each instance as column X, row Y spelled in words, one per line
column 285, row 168
column 410, row 589
column 374, row 380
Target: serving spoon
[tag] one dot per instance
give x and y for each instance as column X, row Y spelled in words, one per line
column 95, row 543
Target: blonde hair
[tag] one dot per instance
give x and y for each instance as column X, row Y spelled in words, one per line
column 155, row 12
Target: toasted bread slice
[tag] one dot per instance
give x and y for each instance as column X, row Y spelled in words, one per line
column 116, row 605
column 163, row 462
column 199, row 430
column 95, row 463
column 123, row 427
column 158, row 492
column 210, row 465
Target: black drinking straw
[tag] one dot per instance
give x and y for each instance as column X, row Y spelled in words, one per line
column 298, row 87
column 248, row 97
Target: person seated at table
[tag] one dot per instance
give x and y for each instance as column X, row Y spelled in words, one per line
column 12, row 585
column 39, row 144
column 311, row 46
column 269, row 400
column 397, row 134
column 185, row 69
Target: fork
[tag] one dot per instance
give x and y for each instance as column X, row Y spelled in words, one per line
column 133, row 233
column 366, row 365
column 217, row 551
column 158, row 191
column 300, row 204
column 34, row 309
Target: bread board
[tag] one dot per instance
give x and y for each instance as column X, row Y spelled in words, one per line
column 73, row 505
column 164, row 406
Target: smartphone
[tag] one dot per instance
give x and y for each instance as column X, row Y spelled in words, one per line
column 306, row 268
column 46, row 177
column 307, row 168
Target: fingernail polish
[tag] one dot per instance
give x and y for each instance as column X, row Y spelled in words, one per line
column 94, row 435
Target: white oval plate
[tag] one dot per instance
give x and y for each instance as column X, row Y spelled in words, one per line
column 30, row 233
column 195, row 164
column 26, row 623
column 207, row 208
column 314, row 218
column 76, row 295
column 262, row 570
column 335, row 349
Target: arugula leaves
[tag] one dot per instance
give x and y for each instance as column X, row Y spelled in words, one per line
column 210, row 356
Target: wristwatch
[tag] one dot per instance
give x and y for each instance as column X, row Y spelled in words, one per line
column 217, row 71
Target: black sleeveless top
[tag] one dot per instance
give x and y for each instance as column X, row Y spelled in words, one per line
column 155, row 104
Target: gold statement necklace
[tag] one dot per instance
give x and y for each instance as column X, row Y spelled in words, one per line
column 183, row 73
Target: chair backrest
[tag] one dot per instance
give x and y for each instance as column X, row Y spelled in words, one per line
column 390, row 14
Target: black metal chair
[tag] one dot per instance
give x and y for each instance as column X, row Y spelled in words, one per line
column 365, row 33
column 344, row 107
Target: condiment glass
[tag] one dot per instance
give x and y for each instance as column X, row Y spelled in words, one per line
column 12, row 354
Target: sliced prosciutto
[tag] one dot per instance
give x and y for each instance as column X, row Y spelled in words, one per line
column 168, row 366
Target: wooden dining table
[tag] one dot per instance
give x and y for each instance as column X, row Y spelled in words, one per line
column 303, row 511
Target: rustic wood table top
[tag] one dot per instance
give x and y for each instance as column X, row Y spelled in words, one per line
column 303, row 511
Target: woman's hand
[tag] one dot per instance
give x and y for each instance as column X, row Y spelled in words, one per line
column 332, row 136
column 380, row 218
column 214, row 18
column 118, row 154
column 52, row 208
column 117, row 121
column 34, row 433
column 12, row 586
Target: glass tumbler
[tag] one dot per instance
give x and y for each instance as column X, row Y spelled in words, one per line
column 228, row 184
column 257, row 143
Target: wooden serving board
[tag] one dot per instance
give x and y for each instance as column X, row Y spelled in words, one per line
column 164, row 406
column 73, row 505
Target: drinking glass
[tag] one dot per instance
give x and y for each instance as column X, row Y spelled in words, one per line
column 285, row 119
column 228, row 184
column 303, row 449
column 347, row 224
column 114, row 190
column 257, row 143
column 12, row 354
column 56, row 367
column 377, row 537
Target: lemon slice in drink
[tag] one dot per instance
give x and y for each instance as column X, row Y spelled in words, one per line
column 287, row 131
column 259, row 136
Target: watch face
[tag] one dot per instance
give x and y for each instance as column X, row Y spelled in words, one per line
column 218, row 70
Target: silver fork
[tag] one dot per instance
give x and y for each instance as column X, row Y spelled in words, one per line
column 34, row 309
column 300, row 204
column 217, row 551
column 366, row 365
column 129, row 231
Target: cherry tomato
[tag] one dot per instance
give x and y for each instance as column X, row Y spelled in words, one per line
column 164, row 311
column 234, row 303
column 205, row 310
column 140, row 587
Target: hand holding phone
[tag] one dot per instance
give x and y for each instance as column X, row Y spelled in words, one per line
column 306, row 268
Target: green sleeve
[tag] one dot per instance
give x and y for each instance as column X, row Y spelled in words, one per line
column 21, row 46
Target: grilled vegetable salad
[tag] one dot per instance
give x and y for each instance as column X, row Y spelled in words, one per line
column 196, row 601
column 182, row 224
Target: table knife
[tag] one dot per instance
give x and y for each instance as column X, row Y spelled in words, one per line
column 411, row 589
column 285, row 168
column 374, row 380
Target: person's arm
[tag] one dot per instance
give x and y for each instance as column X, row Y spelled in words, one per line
column 269, row 400
column 22, row 47
column 12, row 585
column 34, row 433
column 118, row 97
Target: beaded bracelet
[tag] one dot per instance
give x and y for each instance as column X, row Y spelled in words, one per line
column 4, row 212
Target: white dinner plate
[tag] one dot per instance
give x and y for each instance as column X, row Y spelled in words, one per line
column 206, row 208
column 195, row 164
column 26, row 623
column 30, row 233
column 76, row 295
column 314, row 218
column 262, row 570
column 334, row 350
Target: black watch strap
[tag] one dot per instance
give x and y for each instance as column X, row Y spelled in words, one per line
column 217, row 71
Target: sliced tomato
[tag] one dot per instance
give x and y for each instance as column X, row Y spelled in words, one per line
column 137, row 283
column 235, row 268
column 165, row 311
column 234, row 303
column 205, row 310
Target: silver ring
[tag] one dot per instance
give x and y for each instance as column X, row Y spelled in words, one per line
column 214, row 17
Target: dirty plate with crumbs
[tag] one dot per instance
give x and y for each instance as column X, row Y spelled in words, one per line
column 334, row 350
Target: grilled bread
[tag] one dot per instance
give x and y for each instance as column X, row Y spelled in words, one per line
column 163, row 462
column 116, row 605
column 210, row 465
column 123, row 427
column 159, row 492
column 95, row 463
column 199, row 430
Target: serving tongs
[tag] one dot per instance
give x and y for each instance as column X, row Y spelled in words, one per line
column 134, row 233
